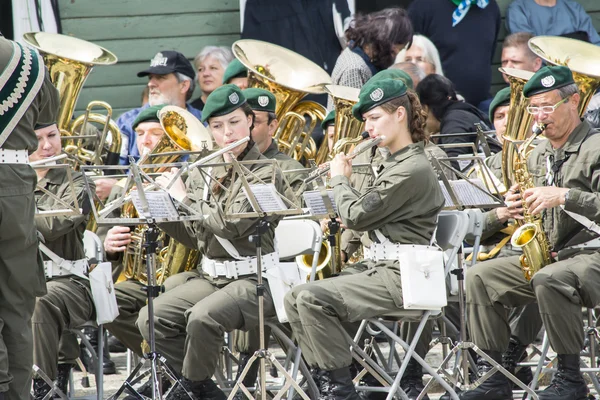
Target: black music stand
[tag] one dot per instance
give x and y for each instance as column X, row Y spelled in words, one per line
column 152, row 210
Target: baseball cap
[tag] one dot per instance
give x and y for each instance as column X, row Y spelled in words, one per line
column 168, row 61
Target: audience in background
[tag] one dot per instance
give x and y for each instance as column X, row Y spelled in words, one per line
column 466, row 42
column 517, row 54
column 423, row 53
column 210, row 66
column 551, row 17
column 415, row 72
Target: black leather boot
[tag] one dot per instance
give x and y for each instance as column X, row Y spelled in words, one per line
column 146, row 388
column 496, row 387
column 512, row 356
column 200, row 390
column 568, row 383
column 62, row 379
column 40, row 388
column 115, row 345
column 87, row 359
column 338, row 385
column 412, row 380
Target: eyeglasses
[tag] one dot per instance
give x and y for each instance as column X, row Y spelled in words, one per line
column 546, row 109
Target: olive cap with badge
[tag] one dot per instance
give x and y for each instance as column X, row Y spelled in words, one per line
column 376, row 93
column 393, row 74
column 548, row 78
column 235, row 69
column 222, row 101
column 149, row 114
column 260, row 99
column 501, row 99
column 329, row 120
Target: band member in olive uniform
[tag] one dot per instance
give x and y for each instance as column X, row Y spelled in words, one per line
column 68, row 303
column 403, row 204
column 236, row 73
column 190, row 319
column 565, row 191
column 28, row 97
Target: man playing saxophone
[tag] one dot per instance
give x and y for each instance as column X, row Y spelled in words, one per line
column 563, row 191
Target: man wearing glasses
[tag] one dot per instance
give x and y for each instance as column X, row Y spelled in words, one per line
column 565, row 170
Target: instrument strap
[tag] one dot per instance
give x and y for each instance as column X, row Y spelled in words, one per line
column 20, row 82
column 61, row 262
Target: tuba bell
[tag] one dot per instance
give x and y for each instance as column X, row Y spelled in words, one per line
column 69, row 62
column 290, row 77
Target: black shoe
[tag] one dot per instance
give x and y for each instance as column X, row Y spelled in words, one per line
column 567, row 383
column 496, row 387
column 146, row 389
column 201, row 390
column 86, row 357
column 115, row 345
column 516, row 353
column 40, row 388
column 337, row 385
column 412, row 380
column 62, row 379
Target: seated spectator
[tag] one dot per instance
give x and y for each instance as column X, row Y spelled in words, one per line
column 171, row 82
column 416, row 73
column 210, row 65
column 517, row 54
column 374, row 41
column 423, row 53
column 236, row 74
column 466, row 40
column 447, row 115
column 551, row 17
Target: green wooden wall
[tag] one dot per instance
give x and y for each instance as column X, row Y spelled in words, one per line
column 592, row 7
column 135, row 30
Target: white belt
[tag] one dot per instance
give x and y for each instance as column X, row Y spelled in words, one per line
column 14, row 156
column 233, row 269
column 65, row 268
column 391, row 251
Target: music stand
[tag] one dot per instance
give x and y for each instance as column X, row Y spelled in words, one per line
column 153, row 206
column 468, row 200
column 70, row 209
column 263, row 199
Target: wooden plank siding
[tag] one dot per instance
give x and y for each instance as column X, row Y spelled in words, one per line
column 592, row 7
column 135, row 30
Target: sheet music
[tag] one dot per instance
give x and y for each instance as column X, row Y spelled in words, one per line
column 467, row 193
column 160, row 204
column 267, row 197
column 314, row 202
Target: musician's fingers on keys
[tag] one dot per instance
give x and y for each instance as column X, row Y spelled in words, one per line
column 117, row 238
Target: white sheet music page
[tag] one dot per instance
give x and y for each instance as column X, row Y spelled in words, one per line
column 467, row 193
column 160, row 204
column 267, row 197
column 314, row 202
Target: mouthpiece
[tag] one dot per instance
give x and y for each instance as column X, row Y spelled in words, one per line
column 538, row 129
column 365, row 135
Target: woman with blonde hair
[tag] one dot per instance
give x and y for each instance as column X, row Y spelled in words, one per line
column 423, row 53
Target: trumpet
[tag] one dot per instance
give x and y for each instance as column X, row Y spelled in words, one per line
column 356, row 152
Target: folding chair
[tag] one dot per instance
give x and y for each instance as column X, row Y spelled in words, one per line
column 451, row 230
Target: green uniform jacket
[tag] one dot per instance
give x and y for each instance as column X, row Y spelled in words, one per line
column 63, row 234
column 287, row 163
column 580, row 171
column 201, row 234
column 20, row 179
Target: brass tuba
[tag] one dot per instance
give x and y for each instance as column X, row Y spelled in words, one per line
column 69, row 61
column 183, row 133
column 290, row 77
column 347, row 128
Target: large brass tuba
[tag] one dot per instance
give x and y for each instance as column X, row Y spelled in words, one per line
column 183, row 132
column 347, row 128
column 290, row 77
column 69, row 61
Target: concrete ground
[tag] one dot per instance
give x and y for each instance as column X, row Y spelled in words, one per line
column 113, row 382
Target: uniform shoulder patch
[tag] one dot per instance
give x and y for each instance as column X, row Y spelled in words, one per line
column 372, row 202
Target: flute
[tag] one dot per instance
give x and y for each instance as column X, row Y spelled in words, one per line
column 48, row 161
column 357, row 151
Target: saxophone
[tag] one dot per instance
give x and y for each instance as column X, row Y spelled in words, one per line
column 529, row 236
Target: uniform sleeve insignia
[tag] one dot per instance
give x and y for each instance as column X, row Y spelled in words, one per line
column 372, row 202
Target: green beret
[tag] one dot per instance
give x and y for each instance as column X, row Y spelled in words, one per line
column 547, row 79
column 393, row 73
column 502, row 98
column 376, row 93
column 260, row 99
column 149, row 114
column 235, row 69
column 223, row 100
column 329, row 120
